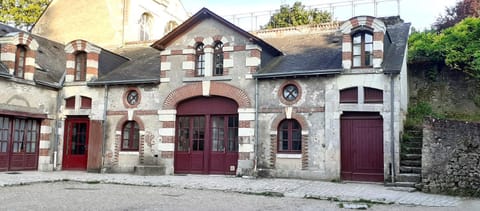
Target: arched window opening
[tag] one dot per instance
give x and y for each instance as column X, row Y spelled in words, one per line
column 349, row 95
column 80, row 66
column 362, row 52
column 130, row 136
column 20, row 57
column 145, row 26
column 218, row 58
column 199, row 60
column 289, row 137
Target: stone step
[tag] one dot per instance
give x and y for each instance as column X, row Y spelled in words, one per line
column 149, row 170
column 414, row 132
column 414, row 163
column 411, row 150
column 411, row 157
column 410, row 170
column 404, row 184
column 412, row 144
column 415, row 178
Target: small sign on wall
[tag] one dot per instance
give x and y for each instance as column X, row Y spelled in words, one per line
column 232, row 168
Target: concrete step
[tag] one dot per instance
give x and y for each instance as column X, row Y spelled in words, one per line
column 410, row 170
column 149, row 170
column 413, row 163
column 403, row 184
column 410, row 157
column 414, row 178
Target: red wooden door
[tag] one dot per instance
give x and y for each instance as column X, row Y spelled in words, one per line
column 19, row 139
column 362, row 147
column 75, row 148
column 206, row 136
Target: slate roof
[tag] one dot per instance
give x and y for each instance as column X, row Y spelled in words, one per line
column 322, row 51
column 394, row 47
column 50, row 58
column 143, row 67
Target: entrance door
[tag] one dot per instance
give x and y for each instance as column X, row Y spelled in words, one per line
column 206, row 136
column 362, row 147
column 75, row 148
column 19, row 138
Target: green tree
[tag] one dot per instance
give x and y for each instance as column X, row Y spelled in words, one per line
column 457, row 47
column 297, row 15
column 21, row 13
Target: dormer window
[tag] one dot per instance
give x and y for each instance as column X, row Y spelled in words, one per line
column 80, row 66
column 20, row 57
column 362, row 52
column 218, row 58
column 199, row 60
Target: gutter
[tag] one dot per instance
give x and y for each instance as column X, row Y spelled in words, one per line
column 124, row 82
column 104, row 128
column 297, row 73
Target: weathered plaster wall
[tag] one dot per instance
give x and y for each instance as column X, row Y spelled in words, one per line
column 451, row 157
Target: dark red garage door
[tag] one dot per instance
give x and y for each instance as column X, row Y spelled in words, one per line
column 206, row 136
column 362, row 147
column 19, row 139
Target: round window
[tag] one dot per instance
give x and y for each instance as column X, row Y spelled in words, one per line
column 132, row 97
column 290, row 92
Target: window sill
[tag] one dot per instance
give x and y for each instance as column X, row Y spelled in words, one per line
column 289, row 156
column 129, row 153
column 208, row 78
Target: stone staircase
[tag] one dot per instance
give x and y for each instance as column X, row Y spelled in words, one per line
column 410, row 158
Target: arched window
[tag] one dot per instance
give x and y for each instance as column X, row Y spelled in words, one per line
column 130, row 136
column 362, row 49
column 289, row 137
column 145, row 26
column 199, row 60
column 80, row 66
column 218, row 58
column 20, row 57
column 349, row 95
column 170, row 26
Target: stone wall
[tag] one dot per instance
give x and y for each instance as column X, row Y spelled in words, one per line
column 451, row 157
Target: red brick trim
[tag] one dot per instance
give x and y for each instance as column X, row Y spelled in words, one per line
column 168, row 124
column 124, row 119
column 300, row 119
column 168, row 139
column 280, row 92
column 176, row 52
column 347, row 55
column 124, row 97
column 43, row 152
column 239, row 47
column 216, row 89
column 244, row 156
column 145, row 112
column 166, row 155
column 116, row 113
column 296, row 110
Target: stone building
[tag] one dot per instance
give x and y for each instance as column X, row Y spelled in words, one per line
column 318, row 102
column 111, row 23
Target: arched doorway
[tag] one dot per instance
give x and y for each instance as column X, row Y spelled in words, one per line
column 206, row 138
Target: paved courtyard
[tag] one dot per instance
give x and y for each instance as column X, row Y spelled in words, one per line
column 290, row 189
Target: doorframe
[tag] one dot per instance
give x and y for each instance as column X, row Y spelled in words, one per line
column 65, row 139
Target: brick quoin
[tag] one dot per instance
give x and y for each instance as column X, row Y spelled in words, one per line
column 244, row 156
column 176, row 52
column 244, row 124
column 124, row 119
column 168, row 124
column 43, row 152
column 45, row 136
column 347, row 38
column 92, row 56
column 377, row 54
column 198, row 39
column 166, row 155
column 378, row 36
column 226, row 55
column 163, row 74
column 163, row 58
column 354, row 22
column 239, row 48
column 347, row 55
column 255, row 53
column 168, row 139
column 217, row 38
column 190, row 58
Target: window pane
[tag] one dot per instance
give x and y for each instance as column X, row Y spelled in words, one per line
column 357, row 61
column 357, row 38
column 368, row 59
column 368, row 38
column 368, row 47
column 357, row 50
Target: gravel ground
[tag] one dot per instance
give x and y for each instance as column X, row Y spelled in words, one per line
column 84, row 196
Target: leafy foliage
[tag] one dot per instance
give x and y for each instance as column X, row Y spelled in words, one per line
column 462, row 10
column 21, row 13
column 297, row 15
column 457, row 47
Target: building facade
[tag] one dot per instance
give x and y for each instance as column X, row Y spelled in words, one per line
column 317, row 102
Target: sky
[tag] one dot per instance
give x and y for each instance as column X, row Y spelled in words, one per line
column 421, row 13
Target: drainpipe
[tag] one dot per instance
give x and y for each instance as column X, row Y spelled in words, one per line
column 392, row 125
column 256, row 125
column 105, row 104
column 55, row 131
